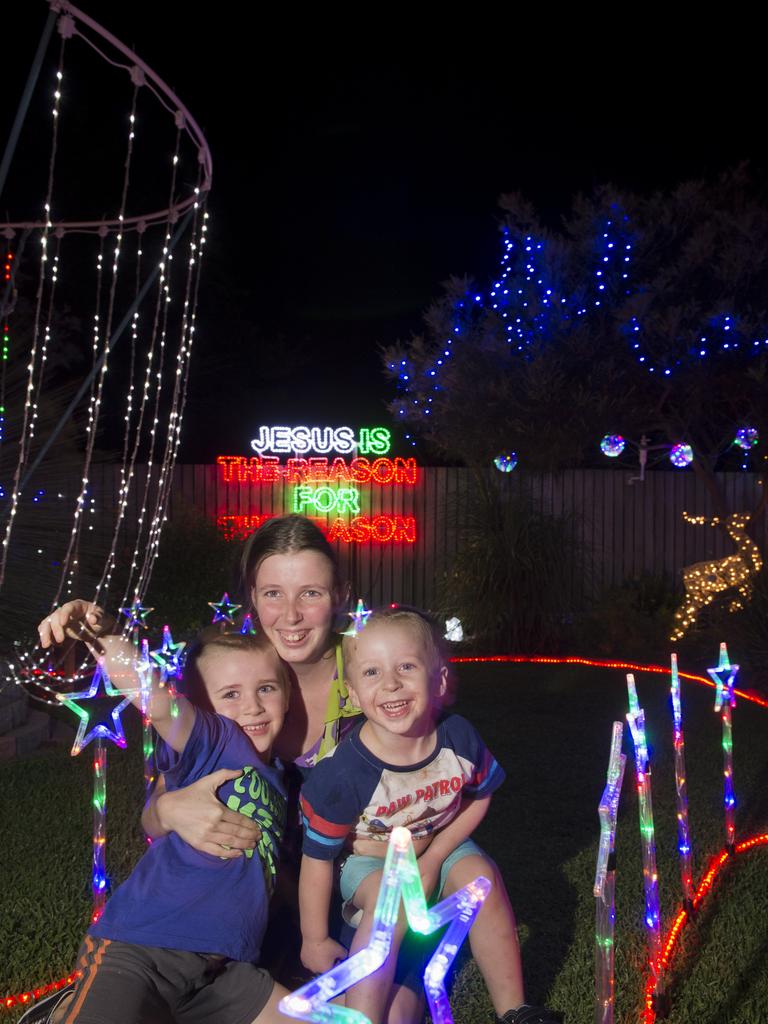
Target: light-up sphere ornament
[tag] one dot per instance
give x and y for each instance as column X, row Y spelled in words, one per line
column 505, row 462
column 400, row 880
column 681, row 455
column 746, row 438
column 612, row 445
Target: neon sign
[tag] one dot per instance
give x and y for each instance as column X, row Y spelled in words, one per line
column 267, row 469
column 326, row 487
column 322, row 439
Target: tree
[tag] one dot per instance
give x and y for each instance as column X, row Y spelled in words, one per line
column 639, row 315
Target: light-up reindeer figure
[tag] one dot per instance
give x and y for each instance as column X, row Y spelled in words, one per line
column 704, row 580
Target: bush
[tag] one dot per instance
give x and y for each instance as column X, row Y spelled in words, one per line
column 632, row 620
column 506, row 583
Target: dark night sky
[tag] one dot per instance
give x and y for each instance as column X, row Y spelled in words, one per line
column 357, row 165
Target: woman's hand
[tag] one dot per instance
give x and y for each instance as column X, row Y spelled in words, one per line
column 320, row 955
column 198, row 817
column 77, row 620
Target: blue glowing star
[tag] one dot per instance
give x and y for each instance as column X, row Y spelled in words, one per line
column 359, row 618
column 400, row 880
column 248, row 628
column 168, row 656
column 136, row 614
column 93, row 717
column 724, row 678
column 224, row 610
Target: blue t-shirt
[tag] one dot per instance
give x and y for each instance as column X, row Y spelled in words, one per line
column 350, row 794
column 179, row 898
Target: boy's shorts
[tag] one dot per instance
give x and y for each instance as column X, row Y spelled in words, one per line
column 356, row 868
column 152, row 985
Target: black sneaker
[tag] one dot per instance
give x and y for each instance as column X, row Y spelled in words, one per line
column 42, row 1011
column 529, row 1015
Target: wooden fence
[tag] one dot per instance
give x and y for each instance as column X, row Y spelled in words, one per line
column 624, row 529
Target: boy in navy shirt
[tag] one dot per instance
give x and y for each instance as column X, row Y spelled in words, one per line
column 405, row 765
column 179, row 941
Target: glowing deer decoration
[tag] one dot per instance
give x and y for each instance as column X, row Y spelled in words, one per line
column 704, row 580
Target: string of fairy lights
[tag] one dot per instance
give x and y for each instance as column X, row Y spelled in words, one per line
column 159, row 323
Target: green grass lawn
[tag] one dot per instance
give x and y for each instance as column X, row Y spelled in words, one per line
column 550, row 726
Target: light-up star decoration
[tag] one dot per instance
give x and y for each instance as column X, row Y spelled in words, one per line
column 400, row 879
column 136, row 614
column 168, row 656
column 248, row 628
column 224, row 610
column 94, row 719
column 724, row 678
column 359, row 618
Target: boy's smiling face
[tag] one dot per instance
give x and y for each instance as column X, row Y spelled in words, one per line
column 394, row 679
column 246, row 686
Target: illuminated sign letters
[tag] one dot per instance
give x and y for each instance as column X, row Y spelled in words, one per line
column 301, row 440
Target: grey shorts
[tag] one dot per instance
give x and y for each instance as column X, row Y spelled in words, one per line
column 126, row 984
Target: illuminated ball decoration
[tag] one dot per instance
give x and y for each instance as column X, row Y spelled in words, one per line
column 505, row 462
column 612, row 445
column 746, row 438
column 681, row 455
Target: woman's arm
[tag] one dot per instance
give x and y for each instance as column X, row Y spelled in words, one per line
column 198, row 817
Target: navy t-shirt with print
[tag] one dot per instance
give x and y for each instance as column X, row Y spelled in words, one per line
column 180, row 898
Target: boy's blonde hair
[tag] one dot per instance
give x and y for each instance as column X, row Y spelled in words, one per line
column 212, row 639
column 424, row 626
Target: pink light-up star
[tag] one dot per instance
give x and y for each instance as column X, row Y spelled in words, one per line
column 93, row 717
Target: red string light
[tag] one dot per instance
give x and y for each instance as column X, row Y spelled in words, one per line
column 23, row 998
column 628, row 666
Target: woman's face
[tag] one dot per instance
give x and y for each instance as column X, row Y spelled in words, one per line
column 295, row 600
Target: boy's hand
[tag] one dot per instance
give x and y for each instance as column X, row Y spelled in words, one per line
column 320, row 955
column 78, row 620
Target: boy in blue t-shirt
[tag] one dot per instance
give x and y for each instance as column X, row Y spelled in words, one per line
column 179, row 941
column 405, row 765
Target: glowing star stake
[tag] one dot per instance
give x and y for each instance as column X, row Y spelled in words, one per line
column 681, row 787
column 359, row 618
column 136, row 614
column 92, row 718
column 400, row 879
column 224, row 610
column 724, row 677
column 144, row 668
column 636, row 719
column 605, row 881
column 248, row 628
column 99, row 866
column 168, row 658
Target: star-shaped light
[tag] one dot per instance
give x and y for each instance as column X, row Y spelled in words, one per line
column 224, row 610
column 136, row 614
column 248, row 628
column 93, row 717
column 724, row 677
column 359, row 618
column 400, row 880
column 168, row 656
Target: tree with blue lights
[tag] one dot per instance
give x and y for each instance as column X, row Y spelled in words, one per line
column 638, row 315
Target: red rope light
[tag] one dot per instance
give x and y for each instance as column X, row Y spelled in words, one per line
column 682, row 918
column 628, row 666
column 23, row 998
